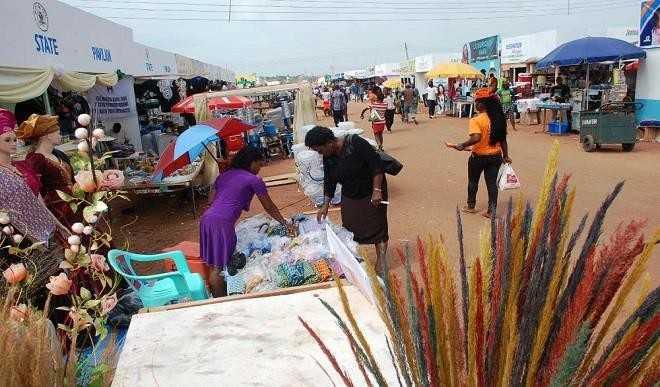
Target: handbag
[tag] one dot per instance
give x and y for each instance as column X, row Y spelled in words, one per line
column 374, row 116
column 391, row 166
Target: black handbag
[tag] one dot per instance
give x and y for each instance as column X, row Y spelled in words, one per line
column 391, row 166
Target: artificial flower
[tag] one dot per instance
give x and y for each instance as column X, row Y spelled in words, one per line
column 108, row 303
column 15, row 273
column 112, row 179
column 59, row 285
column 86, row 181
column 99, row 263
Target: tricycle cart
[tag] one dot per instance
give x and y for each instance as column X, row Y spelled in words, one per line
column 613, row 123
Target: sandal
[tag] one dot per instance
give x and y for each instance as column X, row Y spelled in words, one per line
column 469, row 210
column 487, row 214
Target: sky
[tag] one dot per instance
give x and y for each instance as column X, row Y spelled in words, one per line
column 272, row 37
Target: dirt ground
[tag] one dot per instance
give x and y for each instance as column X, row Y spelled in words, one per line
column 425, row 195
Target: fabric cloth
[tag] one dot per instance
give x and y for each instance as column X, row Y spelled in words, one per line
column 18, row 85
column 338, row 116
column 53, row 177
column 354, row 168
column 378, row 128
column 7, row 121
column 389, row 118
column 29, row 176
column 408, row 95
column 489, row 166
column 431, row 93
column 481, row 125
column 37, row 126
column 431, row 103
column 389, row 100
column 234, row 191
column 506, row 96
column 380, row 108
column 338, row 100
column 367, row 222
column 27, row 213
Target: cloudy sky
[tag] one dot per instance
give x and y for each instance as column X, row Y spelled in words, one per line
column 325, row 36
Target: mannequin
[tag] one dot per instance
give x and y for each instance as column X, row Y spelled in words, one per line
column 19, row 188
column 53, row 168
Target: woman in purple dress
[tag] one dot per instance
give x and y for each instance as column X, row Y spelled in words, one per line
column 234, row 190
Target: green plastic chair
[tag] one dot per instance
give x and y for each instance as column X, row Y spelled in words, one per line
column 160, row 289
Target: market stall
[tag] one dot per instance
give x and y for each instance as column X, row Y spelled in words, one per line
column 602, row 61
column 455, row 71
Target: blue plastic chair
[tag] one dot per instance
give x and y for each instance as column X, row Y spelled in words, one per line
column 160, row 289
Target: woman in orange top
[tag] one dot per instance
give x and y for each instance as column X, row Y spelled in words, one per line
column 489, row 149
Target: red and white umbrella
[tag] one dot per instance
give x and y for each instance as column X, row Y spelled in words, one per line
column 231, row 102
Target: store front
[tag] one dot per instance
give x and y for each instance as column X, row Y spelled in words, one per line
column 519, row 55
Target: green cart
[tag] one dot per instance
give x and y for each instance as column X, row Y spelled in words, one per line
column 613, row 123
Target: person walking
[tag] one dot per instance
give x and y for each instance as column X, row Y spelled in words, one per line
column 378, row 107
column 442, row 99
column 507, row 98
column 391, row 108
column 415, row 105
column 489, row 149
column 338, row 105
column 352, row 162
column 408, row 96
column 431, row 99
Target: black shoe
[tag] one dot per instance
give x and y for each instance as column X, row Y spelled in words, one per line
column 236, row 263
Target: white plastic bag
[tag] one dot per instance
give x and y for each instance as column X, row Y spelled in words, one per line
column 507, row 178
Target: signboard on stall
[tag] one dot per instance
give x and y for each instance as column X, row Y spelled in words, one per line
column 423, row 63
column 649, row 26
column 484, row 49
column 628, row 34
column 149, row 61
column 42, row 34
column 112, row 103
column 528, row 48
column 408, row 67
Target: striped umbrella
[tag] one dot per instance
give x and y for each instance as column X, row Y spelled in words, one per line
column 191, row 143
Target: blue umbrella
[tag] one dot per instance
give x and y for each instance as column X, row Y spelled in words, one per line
column 591, row 50
column 191, row 143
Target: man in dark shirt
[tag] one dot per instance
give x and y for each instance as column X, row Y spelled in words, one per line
column 560, row 92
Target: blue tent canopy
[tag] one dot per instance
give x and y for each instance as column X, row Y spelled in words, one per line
column 591, row 50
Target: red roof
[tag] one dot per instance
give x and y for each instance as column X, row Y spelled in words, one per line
column 216, row 103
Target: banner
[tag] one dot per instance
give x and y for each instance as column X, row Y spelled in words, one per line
column 483, row 49
column 528, row 48
column 408, row 67
column 649, row 26
column 112, row 103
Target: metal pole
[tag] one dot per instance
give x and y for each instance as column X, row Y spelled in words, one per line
column 210, row 153
column 586, row 91
column 405, row 48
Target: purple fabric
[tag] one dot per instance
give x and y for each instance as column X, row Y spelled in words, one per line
column 27, row 213
column 234, row 191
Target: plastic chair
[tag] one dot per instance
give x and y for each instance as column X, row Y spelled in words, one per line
column 160, row 289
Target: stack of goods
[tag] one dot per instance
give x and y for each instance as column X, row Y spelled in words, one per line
column 275, row 260
column 310, row 174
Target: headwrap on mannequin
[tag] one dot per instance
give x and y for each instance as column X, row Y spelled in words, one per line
column 7, row 121
column 37, row 126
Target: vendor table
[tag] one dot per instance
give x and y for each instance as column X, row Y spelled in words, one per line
column 459, row 105
column 248, row 341
column 166, row 186
column 553, row 106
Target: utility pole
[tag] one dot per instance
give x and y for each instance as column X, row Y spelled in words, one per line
column 568, row 8
column 405, row 49
column 229, row 21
